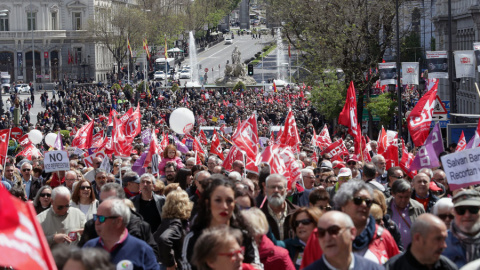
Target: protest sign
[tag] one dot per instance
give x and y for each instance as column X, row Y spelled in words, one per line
column 89, row 160
column 56, row 161
column 462, row 168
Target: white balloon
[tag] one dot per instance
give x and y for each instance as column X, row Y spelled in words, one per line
column 35, row 136
column 50, row 139
column 182, row 120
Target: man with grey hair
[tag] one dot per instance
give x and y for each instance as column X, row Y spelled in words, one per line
column 336, row 233
column 70, row 178
column 380, row 167
column 238, row 166
column 421, row 191
column 189, row 163
column 100, row 180
column 125, row 250
column 149, row 204
column 60, row 223
column 403, row 209
column 211, row 163
column 428, row 241
column 278, row 210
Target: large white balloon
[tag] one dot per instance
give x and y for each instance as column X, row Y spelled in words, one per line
column 35, row 136
column 182, row 120
column 50, row 139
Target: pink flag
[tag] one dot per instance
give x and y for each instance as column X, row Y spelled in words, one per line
column 427, row 155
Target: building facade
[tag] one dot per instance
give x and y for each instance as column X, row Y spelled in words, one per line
column 465, row 31
column 56, row 31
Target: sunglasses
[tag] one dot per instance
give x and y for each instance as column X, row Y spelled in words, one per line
column 149, row 168
column 351, row 163
column 326, row 208
column 102, row 219
column 85, row 188
column 445, row 216
column 332, row 230
column 332, row 182
column 26, row 170
column 462, row 209
column 48, row 195
column 398, row 177
column 302, row 221
column 359, row 201
column 61, row 207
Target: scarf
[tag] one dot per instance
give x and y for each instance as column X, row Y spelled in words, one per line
column 471, row 244
column 364, row 239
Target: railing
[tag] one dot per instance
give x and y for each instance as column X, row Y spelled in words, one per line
column 42, row 34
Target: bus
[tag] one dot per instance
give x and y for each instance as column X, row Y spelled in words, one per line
column 160, row 64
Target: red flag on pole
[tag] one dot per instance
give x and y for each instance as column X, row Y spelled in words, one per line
column 4, row 138
column 421, row 116
column 216, row 147
column 462, row 143
column 83, row 138
column 348, row 116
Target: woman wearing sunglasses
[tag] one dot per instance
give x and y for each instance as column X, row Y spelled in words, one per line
column 43, row 200
column 372, row 241
column 83, row 198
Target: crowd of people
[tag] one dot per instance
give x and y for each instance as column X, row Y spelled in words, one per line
column 341, row 214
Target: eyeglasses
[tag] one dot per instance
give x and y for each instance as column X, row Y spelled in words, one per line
column 332, row 181
column 398, row 177
column 102, row 219
column 326, row 208
column 85, row 188
column 149, row 168
column 26, row 170
column 462, row 209
column 60, row 207
column 48, row 195
column 302, row 221
column 359, row 201
column 445, row 216
column 234, row 254
column 332, row 230
column 351, row 163
column 343, row 178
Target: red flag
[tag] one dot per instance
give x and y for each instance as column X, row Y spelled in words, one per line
column 225, row 103
column 323, row 139
column 216, row 147
column 111, row 116
column 23, row 242
column 282, row 161
column 365, row 151
column 83, row 138
column 222, row 128
column 154, row 149
column 88, row 117
column 133, row 126
column 203, row 138
column 313, row 142
column 24, row 140
column 406, row 161
column 264, row 122
column 197, row 146
column 272, row 139
column 164, row 142
column 421, row 116
column 391, row 155
column 246, row 138
column 120, row 145
column 348, row 116
column 4, row 138
column 314, row 157
column 124, row 118
column 382, row 141
column 462, row 143
column 234, row 154
column 97, row 140
column 290, row 135
column 29, row 151
column 336, row 149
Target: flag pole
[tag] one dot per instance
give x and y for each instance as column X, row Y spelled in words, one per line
column 128, row 60
column 478, row 91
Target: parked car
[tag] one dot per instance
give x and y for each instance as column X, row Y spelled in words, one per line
column 159, row 75
column 22, row 88
column 185, row 74
column 228, row 41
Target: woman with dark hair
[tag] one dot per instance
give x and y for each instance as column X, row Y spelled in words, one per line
column 184, row 178
column 217, row 208
column 170, row 156
column 83, row 198
column 43, row 200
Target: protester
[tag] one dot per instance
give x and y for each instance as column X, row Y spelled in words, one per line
column 84, row 199
column 443, row 209
column 170, row 156
column 43, row 200
column 149, row 204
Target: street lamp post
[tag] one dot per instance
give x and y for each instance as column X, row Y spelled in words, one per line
column 33, row 50
column 399, row 93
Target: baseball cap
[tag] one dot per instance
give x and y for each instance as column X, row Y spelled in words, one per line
column 339, row 166
column 467, row 198
column 352, row 159
column 344, row 172
column 133, row 179
column 434, row 187
column 326, row 164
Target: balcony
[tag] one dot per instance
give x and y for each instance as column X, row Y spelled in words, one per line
column 42, row 34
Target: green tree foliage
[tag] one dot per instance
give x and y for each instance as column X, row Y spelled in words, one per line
column 239, row 86
column 328, row 95
column 384, row 106
column 411, row 48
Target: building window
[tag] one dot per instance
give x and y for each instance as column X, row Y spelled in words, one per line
column 54, row 20
column 77, row 20
column 32, row 21
column 4, row 22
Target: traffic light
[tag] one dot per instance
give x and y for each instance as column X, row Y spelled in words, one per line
column 250, row 70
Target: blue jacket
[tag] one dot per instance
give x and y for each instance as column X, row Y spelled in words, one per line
column 454, row 251
column 132, row 249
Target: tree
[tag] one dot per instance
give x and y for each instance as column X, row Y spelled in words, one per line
column 112, row 26
column 328, row 95
column 349, row 34
column 383, row 106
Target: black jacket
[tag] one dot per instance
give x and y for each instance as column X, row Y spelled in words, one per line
column 159, row 202
column 431, row 202
column 407, row 261
column 136, row 227
column 169, row 237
